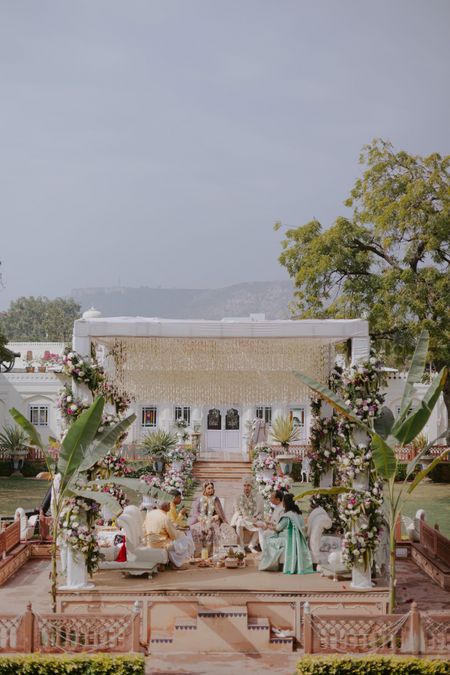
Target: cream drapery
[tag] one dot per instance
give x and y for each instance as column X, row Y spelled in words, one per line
column 202, row 371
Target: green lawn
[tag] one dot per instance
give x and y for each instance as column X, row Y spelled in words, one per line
column 25, row 492
column 433, row 497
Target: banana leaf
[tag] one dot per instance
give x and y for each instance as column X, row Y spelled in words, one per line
column 30, row 429
column 415, row 373
column 338, row 490
column 383, row 457
column 78, row 438
column 414, row 462
column 384, row 423
column 417, row 419
column 423, row 474
column 331, row 398
column 104, row 443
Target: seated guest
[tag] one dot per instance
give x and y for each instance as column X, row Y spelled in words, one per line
column 209, row 526
column 288, row 541
column 248, row 510
column 276, row 501
column 178, row 517
column 160, row 532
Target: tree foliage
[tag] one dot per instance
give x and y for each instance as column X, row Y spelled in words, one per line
column 39, row 319
column 389, row 261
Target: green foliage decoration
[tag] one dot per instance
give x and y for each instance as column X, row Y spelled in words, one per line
column 371, row 665
column 98, row 664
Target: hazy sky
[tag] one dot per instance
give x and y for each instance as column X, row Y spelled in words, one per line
column 156, row 142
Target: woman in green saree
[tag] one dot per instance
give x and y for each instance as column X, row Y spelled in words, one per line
column 288, row 539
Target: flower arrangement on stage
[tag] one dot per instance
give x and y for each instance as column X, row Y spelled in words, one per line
column 267, row 486
column 118, row 494
column 83, row 369
column 70, row 406
column 355, row 461
column 76, row 522
column 177, row 455
column 173, row 480
column 113, row 465
column 264, row 462
column 151, row 480
column 181, row 423
column 361, row 513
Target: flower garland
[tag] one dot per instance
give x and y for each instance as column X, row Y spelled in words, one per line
column 119, row 398
column 360, row 510
column 324, row 452
column 83, row 369
column 70, row 406
column 361, row 513
column 264, row 462
column 76, row 520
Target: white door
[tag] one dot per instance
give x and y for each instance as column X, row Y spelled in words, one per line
column 223, row 428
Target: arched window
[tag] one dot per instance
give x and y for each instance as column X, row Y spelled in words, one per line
column 214, row 419
column 232, row 420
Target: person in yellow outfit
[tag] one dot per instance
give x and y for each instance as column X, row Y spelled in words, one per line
column 178, row 517
column 160, row 532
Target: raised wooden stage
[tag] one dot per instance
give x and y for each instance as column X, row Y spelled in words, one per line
column 222, row 610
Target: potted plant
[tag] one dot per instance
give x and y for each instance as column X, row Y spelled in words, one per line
column 157, row 444
column 29, row 365
column 13, row 441
column 231, row 561
column 284, row 432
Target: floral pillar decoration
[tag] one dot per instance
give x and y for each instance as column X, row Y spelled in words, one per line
column 79, row 517
column 360, row 509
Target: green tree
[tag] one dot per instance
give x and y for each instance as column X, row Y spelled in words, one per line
column 40, row 319
column 389, row 261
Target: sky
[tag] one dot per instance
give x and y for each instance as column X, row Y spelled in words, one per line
column 156, row 142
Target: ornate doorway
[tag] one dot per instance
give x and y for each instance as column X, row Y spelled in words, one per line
column 223, row 428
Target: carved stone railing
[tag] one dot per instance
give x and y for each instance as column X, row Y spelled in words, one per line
column 412, row 633
column 434, row 543
column 57, row 633
column 9, row 538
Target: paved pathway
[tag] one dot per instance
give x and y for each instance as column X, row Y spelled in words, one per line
column 222, row 664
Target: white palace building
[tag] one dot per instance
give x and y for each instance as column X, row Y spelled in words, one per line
column 218, row 375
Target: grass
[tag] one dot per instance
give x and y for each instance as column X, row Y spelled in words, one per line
column 434, row 498
column 25, row 492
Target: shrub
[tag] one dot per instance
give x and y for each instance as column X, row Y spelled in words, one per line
column 30, row 468
column 400, row 474
column 373, row 665
column 441, row 473
column 100, row 664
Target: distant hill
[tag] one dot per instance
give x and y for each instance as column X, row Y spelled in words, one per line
column 269, row 297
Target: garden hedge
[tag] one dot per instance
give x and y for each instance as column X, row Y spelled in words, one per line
column 373, row 665
column 99, row 664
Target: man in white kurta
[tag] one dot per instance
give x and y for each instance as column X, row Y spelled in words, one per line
column 276, row 500
column 248, row 511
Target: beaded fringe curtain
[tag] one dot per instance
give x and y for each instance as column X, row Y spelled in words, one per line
column 201, row 371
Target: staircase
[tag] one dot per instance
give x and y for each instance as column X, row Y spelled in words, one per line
column 221, row 470
column 228, row 629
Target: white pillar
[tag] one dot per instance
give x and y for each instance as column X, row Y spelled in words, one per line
column 360, row 349
column 248, row 415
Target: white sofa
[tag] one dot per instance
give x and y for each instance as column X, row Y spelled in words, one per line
column 321, row 545
column 140, row 558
